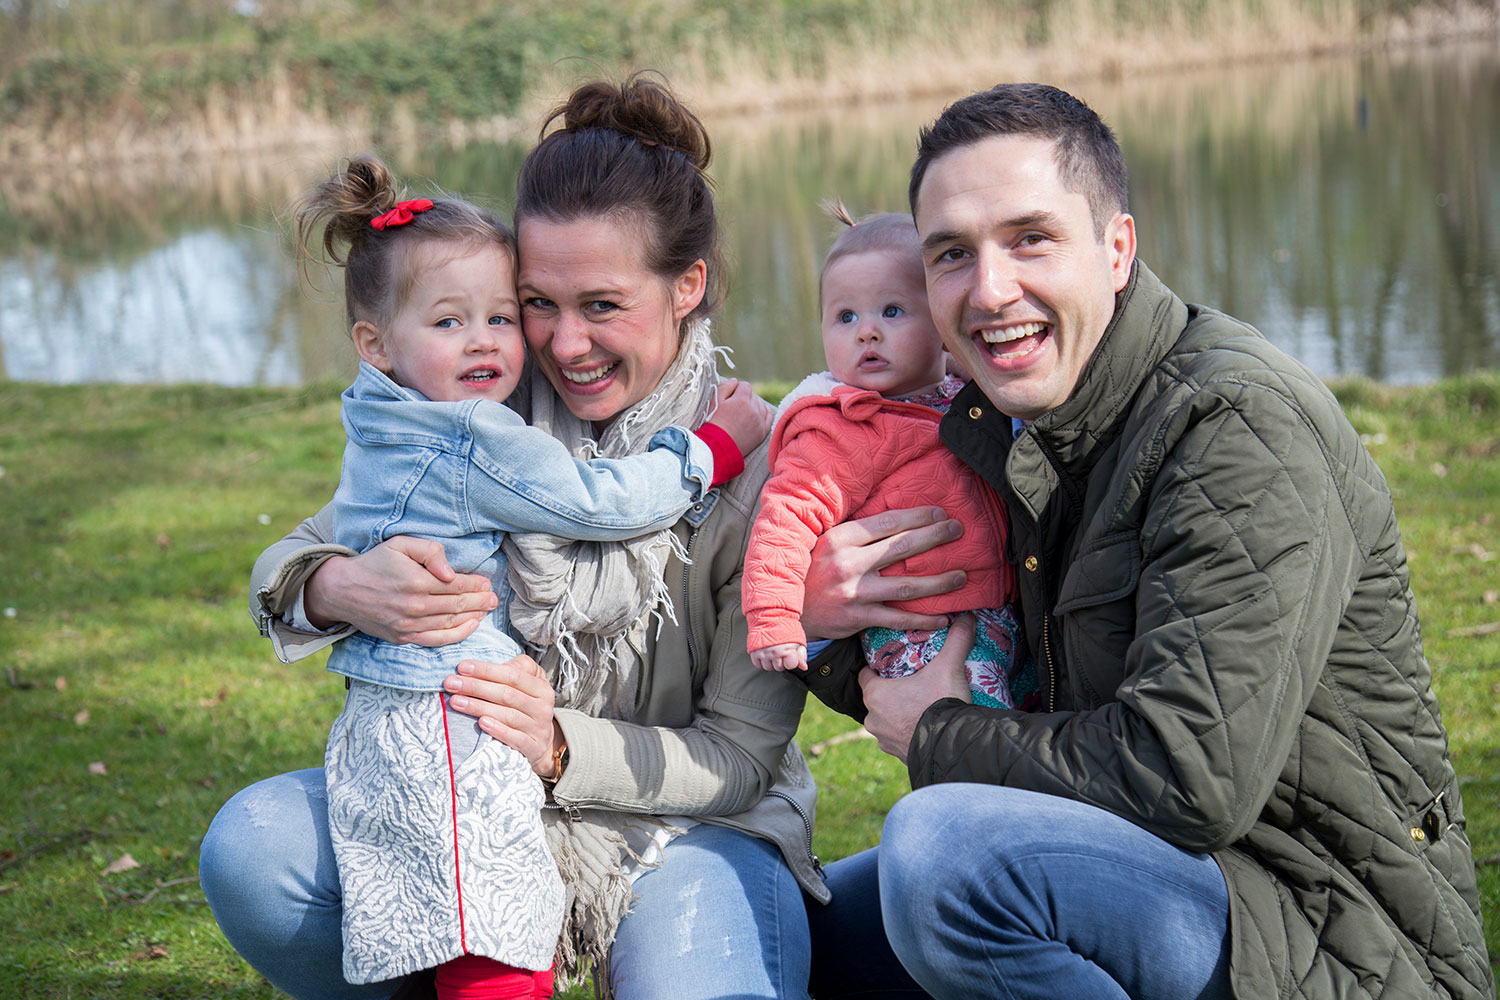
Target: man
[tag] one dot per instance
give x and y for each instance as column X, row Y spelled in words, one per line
column 1239, row 783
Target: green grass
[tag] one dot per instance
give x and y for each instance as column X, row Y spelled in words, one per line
column 131, row 518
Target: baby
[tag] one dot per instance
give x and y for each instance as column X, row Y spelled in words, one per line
column 862, row 438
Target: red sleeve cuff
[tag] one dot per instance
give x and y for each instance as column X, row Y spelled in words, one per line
column 728, row 462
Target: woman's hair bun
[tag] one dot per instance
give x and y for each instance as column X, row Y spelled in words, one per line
column 643, row 107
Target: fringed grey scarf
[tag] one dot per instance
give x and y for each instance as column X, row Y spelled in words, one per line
column 582, row 608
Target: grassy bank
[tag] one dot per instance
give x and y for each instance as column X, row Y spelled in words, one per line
column 116, row 80
column 137, row 696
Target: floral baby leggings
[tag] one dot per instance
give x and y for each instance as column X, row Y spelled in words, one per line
column 1000, row 675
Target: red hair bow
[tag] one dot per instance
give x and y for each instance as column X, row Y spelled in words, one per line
column 401, row 214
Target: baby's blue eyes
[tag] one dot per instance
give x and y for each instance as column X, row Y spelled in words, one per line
column 446, row 323
column 889, row 312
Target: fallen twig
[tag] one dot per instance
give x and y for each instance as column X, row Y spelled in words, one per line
column 1488, row 628
column 127, row 897
column 821, row 747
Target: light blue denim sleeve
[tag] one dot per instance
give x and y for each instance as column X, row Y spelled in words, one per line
column 522, row 479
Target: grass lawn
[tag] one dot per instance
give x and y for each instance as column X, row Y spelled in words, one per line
column 137, row 696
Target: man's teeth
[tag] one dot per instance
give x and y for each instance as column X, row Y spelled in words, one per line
column 592, row 375
column 1005, row 335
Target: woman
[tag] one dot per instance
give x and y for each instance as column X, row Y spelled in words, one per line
column 668, row 756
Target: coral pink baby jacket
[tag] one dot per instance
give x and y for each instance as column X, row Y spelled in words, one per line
column 843, row 453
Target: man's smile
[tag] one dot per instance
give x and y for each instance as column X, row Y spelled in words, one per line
column 1014, row 340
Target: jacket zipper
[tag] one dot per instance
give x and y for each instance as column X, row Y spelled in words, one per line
column 687, row 610
column 1047, row 656
column 807, row 830
column 263, row 611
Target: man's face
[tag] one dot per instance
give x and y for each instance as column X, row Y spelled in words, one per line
column 1020, row 286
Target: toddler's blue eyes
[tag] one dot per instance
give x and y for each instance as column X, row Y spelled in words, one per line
column 499, row 320
column 848, row 316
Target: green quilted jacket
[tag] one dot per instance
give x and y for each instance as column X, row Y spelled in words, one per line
column 1217, row 600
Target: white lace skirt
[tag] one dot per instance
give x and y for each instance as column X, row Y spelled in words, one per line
column 434, row 868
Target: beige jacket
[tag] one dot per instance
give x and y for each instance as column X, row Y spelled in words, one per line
column 712, row 735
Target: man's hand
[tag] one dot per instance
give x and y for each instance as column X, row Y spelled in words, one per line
column 896, row 704
column 402, row 591
column 844, row 591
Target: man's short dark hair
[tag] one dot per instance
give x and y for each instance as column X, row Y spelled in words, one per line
column 1088, row 155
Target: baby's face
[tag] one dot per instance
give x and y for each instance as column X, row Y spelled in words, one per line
column 877, row 332
column 458, row 334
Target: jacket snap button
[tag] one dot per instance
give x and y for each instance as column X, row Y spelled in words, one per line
column 1031, row 564
column 975, row 413
column 1417, row 834
column 825, row 670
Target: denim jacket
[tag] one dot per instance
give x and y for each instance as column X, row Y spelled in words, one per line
column 465, row 473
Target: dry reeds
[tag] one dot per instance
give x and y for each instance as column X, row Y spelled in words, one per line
column 898, row 49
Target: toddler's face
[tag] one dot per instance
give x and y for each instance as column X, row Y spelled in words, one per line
column 458, row 334
column 877, row 332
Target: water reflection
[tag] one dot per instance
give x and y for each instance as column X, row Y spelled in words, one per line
column 1344, row 206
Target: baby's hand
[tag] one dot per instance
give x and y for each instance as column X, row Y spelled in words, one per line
column 785, row 656
column 742, row 414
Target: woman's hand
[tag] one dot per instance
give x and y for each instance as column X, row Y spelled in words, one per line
column 743, row 415
column 844, row 591
column 402, row 591
column 896, row 704
column 513, row 703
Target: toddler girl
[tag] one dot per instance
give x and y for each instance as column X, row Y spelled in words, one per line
column 436, row 826
column 862, row 438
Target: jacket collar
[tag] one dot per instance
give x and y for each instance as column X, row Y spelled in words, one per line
column 1060, row 447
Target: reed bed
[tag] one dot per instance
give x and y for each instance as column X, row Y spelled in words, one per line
column 336, row 76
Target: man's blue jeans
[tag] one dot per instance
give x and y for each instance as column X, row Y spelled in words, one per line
column 722, row 917
column 985, row 891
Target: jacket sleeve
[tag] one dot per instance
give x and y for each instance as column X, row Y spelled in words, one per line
column 833, row 678
column 724, row 758
column 278, row 577
column 1245, row 558
column 521, row 479
column 813, row 488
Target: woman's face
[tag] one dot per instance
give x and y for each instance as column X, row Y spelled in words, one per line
column 602, row 327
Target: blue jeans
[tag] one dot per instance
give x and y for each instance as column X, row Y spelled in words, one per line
column 722, row 917
column 989, row 891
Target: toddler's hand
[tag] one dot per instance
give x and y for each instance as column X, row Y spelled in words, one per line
column 785, row 656
column 742, row 414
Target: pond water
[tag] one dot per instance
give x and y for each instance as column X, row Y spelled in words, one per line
column 1345, row 206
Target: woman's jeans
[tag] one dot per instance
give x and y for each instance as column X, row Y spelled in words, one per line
column 722, row 917
column 985, row 891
